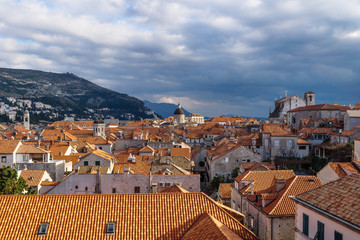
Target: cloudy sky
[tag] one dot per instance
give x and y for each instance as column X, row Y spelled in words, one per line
column 215, row 56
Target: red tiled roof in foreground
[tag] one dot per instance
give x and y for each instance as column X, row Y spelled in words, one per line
column 340, row 198
column 137, row 216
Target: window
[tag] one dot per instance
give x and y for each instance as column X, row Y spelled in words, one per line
column 305, row 224
column 100, row 148
column 276, row 143
column 76, row 187
column 43, row 229
column 266, row 142
column 137, row 190
column 302, row 147
column 97, row 163
column 338, row 236
column 114, row 190
column 86, row 188
column 289, row 143
column 110, row 228
column 252, row 222
column 3, row 159
column 86, row 163
column 320, row 231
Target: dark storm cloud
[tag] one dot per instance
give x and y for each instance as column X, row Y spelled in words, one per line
column 216, row 57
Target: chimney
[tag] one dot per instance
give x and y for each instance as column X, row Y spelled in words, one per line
column 252, row 186
column 280, row 184
column 98, row 180
column 38, row 143
column 133, row 159
column 154, row 187
column 126, row 170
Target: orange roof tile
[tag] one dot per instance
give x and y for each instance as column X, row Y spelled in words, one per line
column 32, row 177
column 147, row 149
column 319, row 107
column 283, row 205
column 8, row 146
column 225, row 190
column 262, row 179
column 181, row 152
column 137, row 216
column 207, row 227
column 339, row 198
column 174, row 188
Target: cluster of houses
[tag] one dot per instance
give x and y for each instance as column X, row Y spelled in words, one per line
column 143, row 179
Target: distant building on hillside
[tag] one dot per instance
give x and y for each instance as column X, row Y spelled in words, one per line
column 283, row 105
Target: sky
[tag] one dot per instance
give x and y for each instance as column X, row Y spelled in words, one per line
column 214, row 56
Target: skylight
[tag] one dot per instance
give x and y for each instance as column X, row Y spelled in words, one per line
column 110, row 228
column 43, row 229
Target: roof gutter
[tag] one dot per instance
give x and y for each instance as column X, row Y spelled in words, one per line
column 357, row 228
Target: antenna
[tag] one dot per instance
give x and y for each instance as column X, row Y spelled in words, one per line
column 286, row 91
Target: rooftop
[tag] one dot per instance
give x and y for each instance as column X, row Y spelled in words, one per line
column 137, row 216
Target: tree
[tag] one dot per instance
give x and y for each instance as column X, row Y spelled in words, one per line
column 235, row 172
column 11, row 184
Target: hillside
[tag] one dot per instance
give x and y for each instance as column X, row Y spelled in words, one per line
column 69, row 95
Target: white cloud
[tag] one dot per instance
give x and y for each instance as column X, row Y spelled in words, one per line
column 203, row 52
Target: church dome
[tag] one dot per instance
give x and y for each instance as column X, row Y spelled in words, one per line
column 309, row 92
column 179, row 111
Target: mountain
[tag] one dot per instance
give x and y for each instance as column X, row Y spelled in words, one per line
column 70, row 95
column 164, row 109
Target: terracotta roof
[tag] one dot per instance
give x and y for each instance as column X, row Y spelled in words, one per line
column 102, row 154
column 8, row 146
column 283, row 205
column 207, row 227
column 139, row 167
column 147, row 149
column 94, row 140
column 225, row 190
column 344, row 168
column 262, row 179
column 277, row 130
column 137, row 216
column 339, row 198
column 348, row 133
column 49, row 183
column 32, row 177
column 303, row 142
column 30, row 149
column 321, row 107
column 59, row 148
column 174, row 188
column 318, row 131
column 181, row 152
column 254, row 165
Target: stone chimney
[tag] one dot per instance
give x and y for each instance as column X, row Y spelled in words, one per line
column 252, row 187
column 98, row 181
column 154, row 187
column 280, row 184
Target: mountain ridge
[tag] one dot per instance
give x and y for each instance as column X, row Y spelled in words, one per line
column 69, row 93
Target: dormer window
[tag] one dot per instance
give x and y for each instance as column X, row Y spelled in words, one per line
column 43, row 229
column 110, row 228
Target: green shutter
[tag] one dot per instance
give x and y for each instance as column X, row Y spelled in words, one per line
column 305, row 224
column 338, row 236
